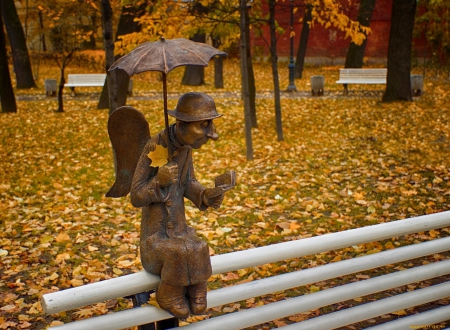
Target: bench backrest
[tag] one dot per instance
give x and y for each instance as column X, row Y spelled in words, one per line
column 362, row 73
column 134, row 283
column 87, row 79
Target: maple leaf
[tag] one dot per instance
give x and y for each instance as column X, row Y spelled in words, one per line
column 159, row 156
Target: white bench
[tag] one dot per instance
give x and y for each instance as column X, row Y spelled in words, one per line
column 90, row 80
column 361, row 76
column 89, row 294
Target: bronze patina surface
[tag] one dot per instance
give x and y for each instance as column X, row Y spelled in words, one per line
column 169, row 247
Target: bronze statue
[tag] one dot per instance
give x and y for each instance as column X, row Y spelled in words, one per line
column 169, row 247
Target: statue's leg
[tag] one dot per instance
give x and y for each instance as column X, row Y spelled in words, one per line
column 197, row 297
column 172, row 299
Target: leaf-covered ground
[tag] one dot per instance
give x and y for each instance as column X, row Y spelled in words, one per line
column 345, row 162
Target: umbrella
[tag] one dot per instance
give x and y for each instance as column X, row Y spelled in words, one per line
column 164, row 56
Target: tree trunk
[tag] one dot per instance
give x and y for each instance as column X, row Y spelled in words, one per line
column 7, row 99
column 301, row 52
column 251, row 74
column 42, row 34
column 194, row 75
column 16, row 36
column 398, row 82
column 126, row 25
column 274, row 61
column 108, row 42
column 218, row 67
column 244, row 77
column 62, row 81
column 355, row 53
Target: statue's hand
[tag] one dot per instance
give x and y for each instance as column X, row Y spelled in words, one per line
column 215, row 201
column 167, row 174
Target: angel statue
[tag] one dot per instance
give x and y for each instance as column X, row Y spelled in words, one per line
column 158, row 173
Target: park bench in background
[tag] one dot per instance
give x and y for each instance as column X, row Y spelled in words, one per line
column 361, row 76
column 132, row 284
column 375, row 77
column 90, row 80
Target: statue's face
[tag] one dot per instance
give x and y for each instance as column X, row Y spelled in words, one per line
column 197, row 133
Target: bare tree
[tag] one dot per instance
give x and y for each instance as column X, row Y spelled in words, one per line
column 7, row 99
column 398, row 83
column 16, row 36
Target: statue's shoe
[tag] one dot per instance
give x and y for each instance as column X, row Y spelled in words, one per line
column 197, row 298
column 171, row 298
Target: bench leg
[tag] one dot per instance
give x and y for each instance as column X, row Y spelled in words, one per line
column 141, row 298
column 345, row 89
column 73, row 90
column 417, row 92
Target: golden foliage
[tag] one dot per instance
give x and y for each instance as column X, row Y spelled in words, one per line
column 346, row 162
column 159, row 156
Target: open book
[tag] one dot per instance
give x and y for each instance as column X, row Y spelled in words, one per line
column 223, row 183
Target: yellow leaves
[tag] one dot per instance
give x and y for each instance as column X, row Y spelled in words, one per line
column 117, row 271
column 159, row 156
column 76, row 282
column 401, row 312
column 314, row 288
column 62, row 237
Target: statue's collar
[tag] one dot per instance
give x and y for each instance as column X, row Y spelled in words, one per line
column 173, row 138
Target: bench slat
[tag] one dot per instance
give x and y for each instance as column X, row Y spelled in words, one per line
column 85, row 80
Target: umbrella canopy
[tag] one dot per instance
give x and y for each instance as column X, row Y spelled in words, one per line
column 166, row 55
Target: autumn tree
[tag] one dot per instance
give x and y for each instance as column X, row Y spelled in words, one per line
column 331, row 15
column 7, row 99
column 69, row 25
column 127, row 24
column 355, row 52
column 304, row 36
column 245, row 81
column 398, row 81
column 433, row 21
column 108, row 42
column 16, row 36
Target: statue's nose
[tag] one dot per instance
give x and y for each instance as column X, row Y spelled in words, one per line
column 212, row 134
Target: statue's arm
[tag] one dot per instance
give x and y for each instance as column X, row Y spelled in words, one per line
column 144, row 188
column 194, row 190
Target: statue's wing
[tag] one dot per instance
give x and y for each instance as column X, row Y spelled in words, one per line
column 129, row 132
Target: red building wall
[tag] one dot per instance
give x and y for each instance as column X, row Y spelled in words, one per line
column 329, row 46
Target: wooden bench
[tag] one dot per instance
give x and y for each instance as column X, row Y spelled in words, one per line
column 361, row 76
column 90, row 80
column 93, row 293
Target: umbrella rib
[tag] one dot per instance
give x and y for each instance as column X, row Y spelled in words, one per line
column 166, row 69
column 140, row 57
column 201, row 59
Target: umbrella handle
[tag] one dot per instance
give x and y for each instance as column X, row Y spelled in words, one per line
column 166, row 117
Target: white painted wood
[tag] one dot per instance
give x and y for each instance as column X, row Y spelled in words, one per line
column 289, row 280
column 303, row 277
column 381, row 307
column 97, row 292
column 120, row 320
column 362, row 76
column 85, row 80
column 130, row 284
column 428, row 318
column 303, row 247
column 301, row 304
column 258, row 315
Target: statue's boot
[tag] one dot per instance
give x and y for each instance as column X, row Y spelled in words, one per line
column 171, row 298
column 197, row 298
